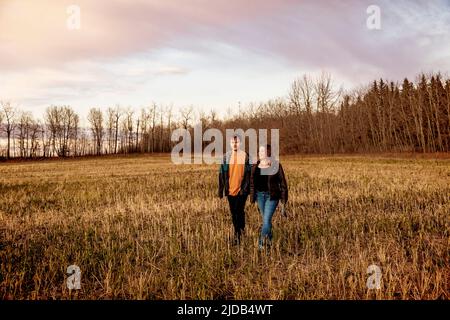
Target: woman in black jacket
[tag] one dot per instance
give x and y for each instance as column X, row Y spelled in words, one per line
column 268, row 187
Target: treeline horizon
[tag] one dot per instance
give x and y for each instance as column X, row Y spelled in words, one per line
column 314, row 117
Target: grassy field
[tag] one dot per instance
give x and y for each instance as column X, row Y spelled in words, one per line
column 140, row 227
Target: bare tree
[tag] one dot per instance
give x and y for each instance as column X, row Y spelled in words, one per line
column 161, row 129
column 24, row 127
column 169, row 125
column 326, row 99
column 117, row 114
column 186, row 116
column 127, row 131
column 144, row 130
column 9, row 113
column 152, row 110
column 111, row 129
column 301, row 95
column 62, row 122
column 35, row 129
column 137, row 135
column 326, row 96
column 95, row 118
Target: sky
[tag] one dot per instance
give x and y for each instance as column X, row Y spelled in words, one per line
column 211, row 54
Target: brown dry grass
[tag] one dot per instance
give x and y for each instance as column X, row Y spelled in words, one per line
column 142, row 228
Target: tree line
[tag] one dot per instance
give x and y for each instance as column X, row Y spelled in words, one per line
column 381, row 117
column 314, row 117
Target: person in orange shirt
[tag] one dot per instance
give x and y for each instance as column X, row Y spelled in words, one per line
column 234, row 183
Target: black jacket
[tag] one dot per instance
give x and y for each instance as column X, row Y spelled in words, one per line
column 278, row 188
column 224, row 178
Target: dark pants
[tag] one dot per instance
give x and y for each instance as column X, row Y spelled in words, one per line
column 237, row 205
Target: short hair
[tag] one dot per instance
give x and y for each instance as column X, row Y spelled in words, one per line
column 236, row 137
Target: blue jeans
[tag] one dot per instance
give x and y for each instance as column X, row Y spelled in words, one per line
column 267, row 208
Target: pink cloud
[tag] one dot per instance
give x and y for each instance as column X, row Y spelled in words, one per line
column 119, row 39
column 329, row 35
column 34, row 33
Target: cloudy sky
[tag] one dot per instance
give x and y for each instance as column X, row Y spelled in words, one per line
column 207, row 53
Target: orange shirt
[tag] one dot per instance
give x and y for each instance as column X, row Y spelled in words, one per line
column 236, row 172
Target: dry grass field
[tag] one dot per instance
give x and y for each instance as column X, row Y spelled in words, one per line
column 140, row 227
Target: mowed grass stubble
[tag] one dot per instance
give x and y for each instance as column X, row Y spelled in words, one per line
column 140, row 227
